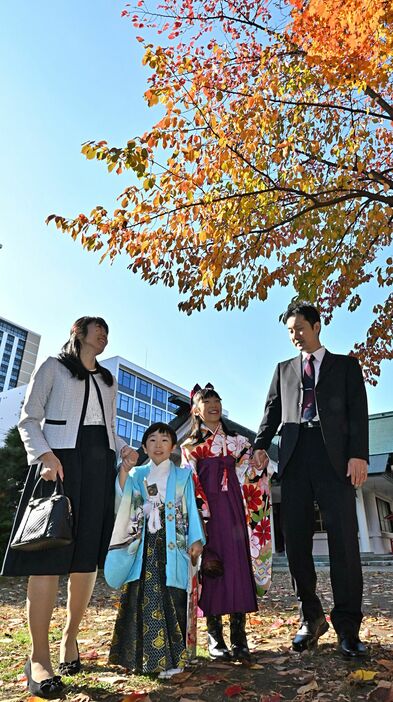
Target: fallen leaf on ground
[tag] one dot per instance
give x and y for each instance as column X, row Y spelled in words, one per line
column 382, row 693
column 362, row 675
column 89, row 655
column 181, row 677
column 213, row 664
column 277, row 624
column 133, row 696
column 385, row 663
column 233, row 690
column 275, row 697
column 313, row 685
column 189, row 690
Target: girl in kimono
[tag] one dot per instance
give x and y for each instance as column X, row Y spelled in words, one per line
column 234, row 496
column 157, row 531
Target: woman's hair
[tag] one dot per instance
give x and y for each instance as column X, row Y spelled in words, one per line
column 162, row 428
column 70, row 352
column 196, row 421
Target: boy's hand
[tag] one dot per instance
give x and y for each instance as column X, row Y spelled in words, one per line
column 195, row 551
column 129, row 458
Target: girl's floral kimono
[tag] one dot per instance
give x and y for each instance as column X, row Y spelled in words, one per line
column 234, row 498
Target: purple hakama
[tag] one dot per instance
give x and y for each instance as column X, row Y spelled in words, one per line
column 235, row 590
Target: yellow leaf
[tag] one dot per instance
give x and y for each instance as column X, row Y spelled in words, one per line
column 362, row 675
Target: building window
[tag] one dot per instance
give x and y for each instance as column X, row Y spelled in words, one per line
column 137, row 433
column 159, row 395
column 143, row 388
column 124, row 429
column 125, row 402
column 16, row 331
column 158, row 415
column 127, row 380
column 384, row 512
column 141, row 409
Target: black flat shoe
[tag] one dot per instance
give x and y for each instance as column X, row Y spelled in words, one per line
column 352, row 647
column 71, row 668
column 47, row 689
column 308, row 635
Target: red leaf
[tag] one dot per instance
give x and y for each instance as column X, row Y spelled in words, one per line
column 233, row 690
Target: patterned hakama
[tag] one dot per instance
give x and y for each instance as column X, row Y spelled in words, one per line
column 150, row 629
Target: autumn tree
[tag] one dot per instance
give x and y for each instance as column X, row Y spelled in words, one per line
column 270, row 163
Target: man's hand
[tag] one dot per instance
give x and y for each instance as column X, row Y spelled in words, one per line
column 129, row 458
column 357, row 471
column 51, row 466
column 261, row 459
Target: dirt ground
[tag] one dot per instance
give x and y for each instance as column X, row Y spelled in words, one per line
column 276, row 673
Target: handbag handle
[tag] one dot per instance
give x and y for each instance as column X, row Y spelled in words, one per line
column 57, row 490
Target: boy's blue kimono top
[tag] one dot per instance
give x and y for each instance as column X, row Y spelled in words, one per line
column 182, row 526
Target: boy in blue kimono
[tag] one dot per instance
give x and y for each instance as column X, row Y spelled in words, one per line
column 157, row 531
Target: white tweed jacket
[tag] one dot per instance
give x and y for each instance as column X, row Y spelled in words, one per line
column 52, row 410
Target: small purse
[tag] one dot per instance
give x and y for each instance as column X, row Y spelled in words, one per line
column 46, row 523
column 212, row 566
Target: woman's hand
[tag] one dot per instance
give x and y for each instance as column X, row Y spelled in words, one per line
column 195, row 551
column 129, row 458
column 51, row 466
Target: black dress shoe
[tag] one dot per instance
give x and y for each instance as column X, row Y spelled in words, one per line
column 352, row 647
column 308, row 634
column 71, row 668
column 47, row 689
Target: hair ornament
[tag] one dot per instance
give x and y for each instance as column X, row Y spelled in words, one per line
column 197, row 388
column 194, row 390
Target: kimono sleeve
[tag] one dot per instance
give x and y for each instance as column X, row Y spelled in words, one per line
column 195, row 528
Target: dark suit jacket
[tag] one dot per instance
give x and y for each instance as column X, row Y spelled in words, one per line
column 342, row 409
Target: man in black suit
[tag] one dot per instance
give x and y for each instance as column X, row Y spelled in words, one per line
column 318, row 403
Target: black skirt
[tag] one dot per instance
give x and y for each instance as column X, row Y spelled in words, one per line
column 89, row 482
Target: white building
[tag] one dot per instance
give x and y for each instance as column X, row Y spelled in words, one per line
column 143, row 398
column 18, row 354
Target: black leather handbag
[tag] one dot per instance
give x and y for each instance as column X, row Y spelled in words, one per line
column 47, row 521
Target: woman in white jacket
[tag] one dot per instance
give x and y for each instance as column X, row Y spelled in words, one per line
column 68, row 428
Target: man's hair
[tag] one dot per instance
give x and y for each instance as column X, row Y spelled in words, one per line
column 162, row 428
column 309, row 312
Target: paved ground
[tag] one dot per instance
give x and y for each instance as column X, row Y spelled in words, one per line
column 276, row 673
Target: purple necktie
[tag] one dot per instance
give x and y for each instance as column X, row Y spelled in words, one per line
column 309, row 408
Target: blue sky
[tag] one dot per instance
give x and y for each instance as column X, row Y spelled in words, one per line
column 71, row 71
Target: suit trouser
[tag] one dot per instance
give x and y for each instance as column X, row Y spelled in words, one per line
column 308, row 477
